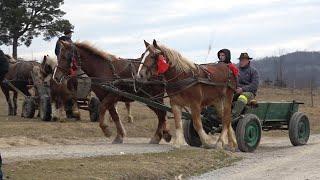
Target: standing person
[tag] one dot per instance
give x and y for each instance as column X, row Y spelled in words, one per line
column 248, row 81
column 67, row 37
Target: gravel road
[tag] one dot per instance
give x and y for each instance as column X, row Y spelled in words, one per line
column 85, row 149
column 274, row 159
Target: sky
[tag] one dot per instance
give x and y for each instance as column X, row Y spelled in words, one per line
column 261, row 27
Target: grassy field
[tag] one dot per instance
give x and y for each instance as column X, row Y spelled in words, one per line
column 183, row 162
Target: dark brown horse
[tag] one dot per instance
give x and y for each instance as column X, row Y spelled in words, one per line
column 19, row 75
column 193, row 86
column 105, row 67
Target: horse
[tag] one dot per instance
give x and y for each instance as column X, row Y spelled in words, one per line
column 48, row 66
column 105, row 67
column 194, row 86
column 20, row 77
column 4, row 65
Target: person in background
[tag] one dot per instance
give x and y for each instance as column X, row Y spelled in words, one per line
column 224, row 55
column 67, row 37
column 248, row 81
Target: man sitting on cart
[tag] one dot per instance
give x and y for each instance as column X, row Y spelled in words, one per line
column 248, row 81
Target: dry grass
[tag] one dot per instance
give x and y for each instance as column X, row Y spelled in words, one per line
column 186, row 162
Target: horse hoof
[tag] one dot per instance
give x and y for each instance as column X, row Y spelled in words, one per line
column 107, row 132
column 228, row 148
column 117, row 140
column 167, row 137
column 154, row 140
column 130, row 119
column 209, row 146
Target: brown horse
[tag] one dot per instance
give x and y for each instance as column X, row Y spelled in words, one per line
column 188, row 85
column 60, row 94
column 102, row 66
column 19, row 75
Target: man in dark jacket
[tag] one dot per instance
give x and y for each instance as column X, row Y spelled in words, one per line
column 4, row 65
column 248, row 81
column 224, row 55
column 67, row 37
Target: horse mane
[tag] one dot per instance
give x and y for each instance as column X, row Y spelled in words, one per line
column 52, row 62
column 182, row 64
column 95, row 51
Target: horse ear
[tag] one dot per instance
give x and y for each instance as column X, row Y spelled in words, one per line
column 146, row 43
column 64, row 44
column 155, row 44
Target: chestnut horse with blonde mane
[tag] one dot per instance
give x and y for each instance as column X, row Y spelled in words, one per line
column 106, row 68
column 193, row 86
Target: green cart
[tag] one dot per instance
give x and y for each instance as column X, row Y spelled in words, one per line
column 255, row 118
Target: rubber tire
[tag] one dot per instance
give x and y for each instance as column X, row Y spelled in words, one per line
column 94, row 107
column 295, row 119
column 28, row 108
column 241, row 132
column 45, row 109
column 191, row 136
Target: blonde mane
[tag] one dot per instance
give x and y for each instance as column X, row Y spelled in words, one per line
column 95, row 51
column 52, row 62
column 182, row 64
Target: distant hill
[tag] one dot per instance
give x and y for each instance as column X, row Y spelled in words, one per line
column 296, row 68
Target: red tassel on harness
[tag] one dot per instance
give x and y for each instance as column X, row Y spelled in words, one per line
column 162, row 64
column 234, row 69
column 74, row 67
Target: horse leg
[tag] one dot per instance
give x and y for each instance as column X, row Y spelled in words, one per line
column 162, row 130
column 223, row 114
column 176, row 110
column 103, row 108
column 206, row 140
column 54, row 111
column 120, row 129
column 6, row 92
column 75, row 110
column 15, row 97
column 130, row 117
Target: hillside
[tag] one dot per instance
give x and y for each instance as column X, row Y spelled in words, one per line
column 297, row 68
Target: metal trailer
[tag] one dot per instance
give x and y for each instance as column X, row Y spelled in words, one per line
column 248, row 126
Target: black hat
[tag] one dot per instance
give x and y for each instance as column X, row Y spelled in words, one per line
column 244, row 56
column 67, row 31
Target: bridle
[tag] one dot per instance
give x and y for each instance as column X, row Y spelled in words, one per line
column 74, row 63
column 154, row 60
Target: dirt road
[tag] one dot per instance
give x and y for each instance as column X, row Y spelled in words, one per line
column 81, row 149
column 275, row 159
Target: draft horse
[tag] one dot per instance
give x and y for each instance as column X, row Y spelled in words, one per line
column 103, row 67
column 194, row 86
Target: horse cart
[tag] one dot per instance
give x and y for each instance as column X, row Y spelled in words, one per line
column 42, row 100
column 257, row 117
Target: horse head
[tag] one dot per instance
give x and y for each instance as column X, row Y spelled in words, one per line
column 153, row 61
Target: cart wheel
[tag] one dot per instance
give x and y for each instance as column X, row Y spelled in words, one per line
column 190, row 134
column 28, row 108
column 45, row 108
column 299, row 129
column 248, row 133
column 94, row 106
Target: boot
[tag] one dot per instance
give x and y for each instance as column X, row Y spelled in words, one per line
column 237, row 109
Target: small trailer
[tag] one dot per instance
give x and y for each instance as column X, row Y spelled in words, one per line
column 248, row 126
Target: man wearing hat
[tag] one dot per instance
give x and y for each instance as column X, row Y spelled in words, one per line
column 248, row 81
column 67, row 37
